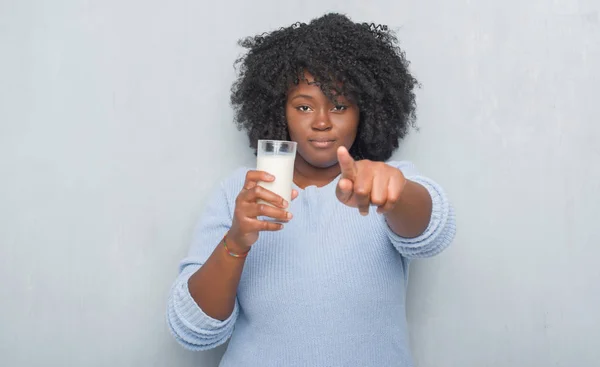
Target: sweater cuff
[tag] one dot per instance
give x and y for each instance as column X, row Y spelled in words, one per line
column 190, row 326
column 439, row 215
column 191, row 315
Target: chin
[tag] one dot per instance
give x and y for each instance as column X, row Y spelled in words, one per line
column 324, row 164
column 321, row 161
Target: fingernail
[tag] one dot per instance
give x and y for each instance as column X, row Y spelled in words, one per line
column 289, row 215
column 284, row 204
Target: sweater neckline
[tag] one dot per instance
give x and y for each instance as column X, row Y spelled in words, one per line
column 315, row 187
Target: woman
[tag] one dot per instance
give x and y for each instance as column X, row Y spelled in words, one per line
column 327, row 287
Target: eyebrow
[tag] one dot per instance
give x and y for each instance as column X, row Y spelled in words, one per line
column 302, row 96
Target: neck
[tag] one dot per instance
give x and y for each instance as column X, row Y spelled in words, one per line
column 306, row 174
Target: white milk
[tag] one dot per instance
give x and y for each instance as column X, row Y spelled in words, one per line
column 282, row 167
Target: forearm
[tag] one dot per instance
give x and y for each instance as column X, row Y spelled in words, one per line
column 412, row 212
column 214, row 285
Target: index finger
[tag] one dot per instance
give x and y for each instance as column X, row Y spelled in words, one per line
column 254, row 176
column 347, row 164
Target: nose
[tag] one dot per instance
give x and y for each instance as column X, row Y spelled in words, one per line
column 322, row 121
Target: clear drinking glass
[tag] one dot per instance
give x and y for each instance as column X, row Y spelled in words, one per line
column 277, row 157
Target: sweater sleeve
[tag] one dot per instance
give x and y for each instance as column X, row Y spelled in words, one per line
column 190, row 326
column 441, row 228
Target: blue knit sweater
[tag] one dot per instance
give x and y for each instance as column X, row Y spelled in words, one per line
column 327, row 290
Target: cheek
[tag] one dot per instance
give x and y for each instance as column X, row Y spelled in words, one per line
column 296, row 124
column 351, row 126
column 350, row 138
column 289, row 122
column 292, row 129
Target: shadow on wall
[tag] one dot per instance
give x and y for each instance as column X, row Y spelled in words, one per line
column 208, row 358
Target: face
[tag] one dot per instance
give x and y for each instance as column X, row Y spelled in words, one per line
column 317, row 125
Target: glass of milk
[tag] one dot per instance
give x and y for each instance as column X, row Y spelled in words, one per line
column 276, row 157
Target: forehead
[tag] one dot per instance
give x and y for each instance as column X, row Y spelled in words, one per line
column 308, row 86
column 305, row 87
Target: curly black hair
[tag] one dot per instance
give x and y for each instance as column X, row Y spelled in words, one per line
column 360, row 61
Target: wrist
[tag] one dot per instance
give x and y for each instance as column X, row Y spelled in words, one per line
column 233, row 248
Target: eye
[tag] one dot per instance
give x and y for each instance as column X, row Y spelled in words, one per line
column 303, row 108
column 340, row 108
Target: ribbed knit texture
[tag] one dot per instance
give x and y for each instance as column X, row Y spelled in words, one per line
column 327, row 290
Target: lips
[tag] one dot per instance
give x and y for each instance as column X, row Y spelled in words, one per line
column 322, row 143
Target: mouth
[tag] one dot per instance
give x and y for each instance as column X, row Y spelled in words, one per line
column 322, row 143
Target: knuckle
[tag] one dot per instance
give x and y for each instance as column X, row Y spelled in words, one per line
column 378, row 201
column 361, row 190
column 262, row 208
column 250, row 195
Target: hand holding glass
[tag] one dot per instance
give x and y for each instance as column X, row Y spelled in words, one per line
column 277, row 157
